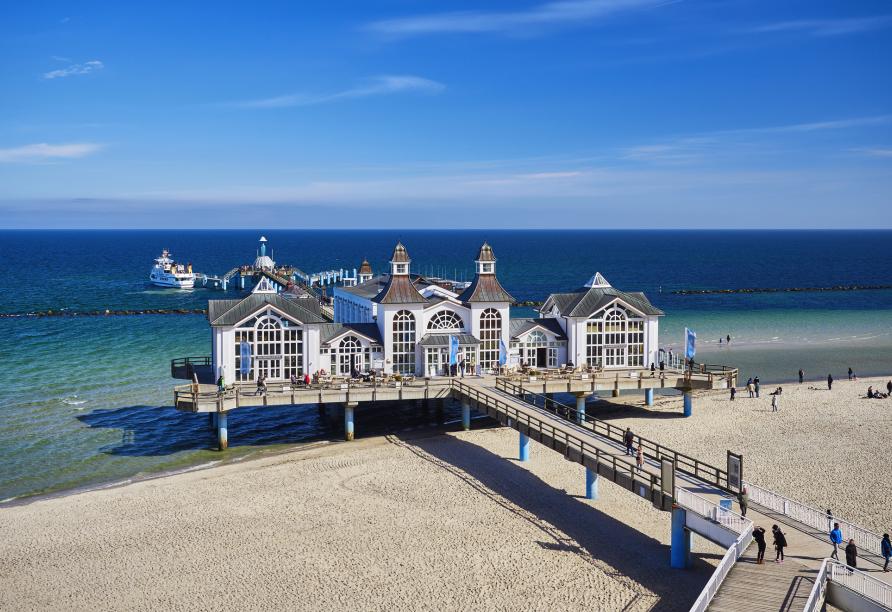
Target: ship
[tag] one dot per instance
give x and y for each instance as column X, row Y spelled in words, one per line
column 168, row 273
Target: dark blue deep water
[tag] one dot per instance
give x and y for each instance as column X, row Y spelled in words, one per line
column 87, row 400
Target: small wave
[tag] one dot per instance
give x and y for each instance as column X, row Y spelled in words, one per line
column 73, row 401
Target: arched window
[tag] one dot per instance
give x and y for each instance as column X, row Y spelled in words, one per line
column 445, row 320
column 349, row 356
column 537, row 337
column 490, row 334
column 404, row 342
column 615, row 338
column 275, row 349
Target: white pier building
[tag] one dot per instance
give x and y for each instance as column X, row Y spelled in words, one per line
column 403, row 323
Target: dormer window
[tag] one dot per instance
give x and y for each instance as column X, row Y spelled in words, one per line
column 400, row 268
column 486, row 268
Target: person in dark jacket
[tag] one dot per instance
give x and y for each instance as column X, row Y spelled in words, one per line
column 852, row 554
column 733, row 393
column 780, row 543
column 886, row 550
column 830, row 382
column 629, row 438
column 743, row 498
column 801, row 376
column 759, row 537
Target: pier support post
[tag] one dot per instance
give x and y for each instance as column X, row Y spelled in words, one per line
column 580, row 408
column 649, row 397
column 616, row 392
column 465, row 415
column 688, row 398
column 680, row 549
column 241, row 282
column 348, row 421
column 524, row 452
column 591, row 484
column 222, row 433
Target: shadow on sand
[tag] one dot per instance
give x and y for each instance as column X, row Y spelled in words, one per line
column 567, row 524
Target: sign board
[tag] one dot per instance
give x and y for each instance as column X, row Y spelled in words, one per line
column 735, row 471
column 667, row 477
column 377, row 364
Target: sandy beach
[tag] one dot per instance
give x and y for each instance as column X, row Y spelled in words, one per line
column 434, row 521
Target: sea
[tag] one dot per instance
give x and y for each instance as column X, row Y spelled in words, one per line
column 86, row 401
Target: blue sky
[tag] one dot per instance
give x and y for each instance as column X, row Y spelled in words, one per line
column 577, row 113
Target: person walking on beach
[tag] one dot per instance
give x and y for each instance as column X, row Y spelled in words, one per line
column 780, row 543
column 889, row 388
column 830, row 382
column 759, row 537
column 756, row 385
column 743, row 498
column 774, row 400
column 749, row 387
column 639, row 459
column 886, row 550
column 850, row 373
column 733, row 393
column 852, row 554
column 836, row 540
column 628, row 438
column 728, row 338
column 801, row 376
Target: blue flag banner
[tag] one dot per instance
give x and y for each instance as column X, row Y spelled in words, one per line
column 503, row 353
column 690, row 343
column 453, row 350
column 245, row 354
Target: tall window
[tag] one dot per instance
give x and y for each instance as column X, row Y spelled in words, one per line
column 445, row 320
column 490, row 334
column 276, row 350
column 615, row 338
column 404, row 342
column 349, row 355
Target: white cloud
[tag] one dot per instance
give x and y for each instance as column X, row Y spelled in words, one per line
column 566, row 12
column 74, row 69
column 43, row 151
column 377, row 86
column 885, row 152
column 828, row 27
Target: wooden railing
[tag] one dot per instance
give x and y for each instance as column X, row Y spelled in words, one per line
column 652, row 450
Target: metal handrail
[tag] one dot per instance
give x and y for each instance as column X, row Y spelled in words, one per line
column 818, row 590
column 715, row 512
column 860, row 582
column 814, row 518
column 183, row 361
column 650, row 449
column 721, row 571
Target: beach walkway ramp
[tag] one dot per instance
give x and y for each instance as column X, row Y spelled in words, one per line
column 806, row 580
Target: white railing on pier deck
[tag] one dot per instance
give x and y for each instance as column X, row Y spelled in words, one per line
column 714, row 512
column 855, row 580
column 728, row 519
column 860, row 582
column 813, row 517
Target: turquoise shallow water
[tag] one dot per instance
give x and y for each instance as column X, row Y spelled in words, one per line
column 87, row 401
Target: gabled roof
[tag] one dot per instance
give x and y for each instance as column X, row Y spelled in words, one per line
column 399, row 290
column 231, row 312
column 332, row 331
column 588, row 300
column 518, row 327
column 485, row 288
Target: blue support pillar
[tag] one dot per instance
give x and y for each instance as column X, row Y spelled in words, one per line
column 688, row 411
column 241, row 281
column 465, row 415
column 680, row 549
column 524, row 454
column 591, row 484
column 649, row 397
column 580, row 408
column 222, row 433
column 348, row 421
